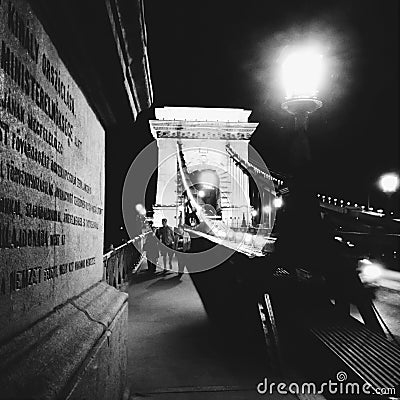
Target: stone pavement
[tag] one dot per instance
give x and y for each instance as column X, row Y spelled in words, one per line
column 175, row 353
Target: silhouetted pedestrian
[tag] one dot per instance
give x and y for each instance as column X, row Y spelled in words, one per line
column 165, row 235
column 182, row 246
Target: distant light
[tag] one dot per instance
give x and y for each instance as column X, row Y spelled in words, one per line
column 302, row 72
column 380, row 211
column 389, row 183
column 254, row 213
column 339, row 238
column 370, row 271
column 278, row 202
column 267, row 209
column 350, row 244
column 356, row 205
column 371, row 209
column 201, row 193
column 140, row 209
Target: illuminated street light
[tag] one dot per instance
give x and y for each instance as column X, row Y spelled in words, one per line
column 201, row 193
column 389, row 183
column 302, row 72
column 278, row 202
column 254, row 214
column 267, row 209
column 140, row 209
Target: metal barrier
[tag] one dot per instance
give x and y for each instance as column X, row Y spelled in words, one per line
column 119, row 263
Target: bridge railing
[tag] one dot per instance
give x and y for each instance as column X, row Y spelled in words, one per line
column 122, row 261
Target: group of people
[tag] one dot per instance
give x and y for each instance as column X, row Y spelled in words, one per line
column 167, row 242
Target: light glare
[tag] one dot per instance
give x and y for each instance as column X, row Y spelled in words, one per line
column 370, row 271
column 267, row 209
column 389, row 183
column 278, row 202
column 302, row 72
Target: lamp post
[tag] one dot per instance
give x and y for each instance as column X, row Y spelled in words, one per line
column 389, row 183
column 301, row 73
column 253, row 216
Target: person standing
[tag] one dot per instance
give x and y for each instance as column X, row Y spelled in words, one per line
column 152, row 252
column 165, row 235
column 182, row 246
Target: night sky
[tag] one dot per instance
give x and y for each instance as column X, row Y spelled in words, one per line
column 226, row 54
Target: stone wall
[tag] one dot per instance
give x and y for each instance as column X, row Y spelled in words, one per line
column 57, row 319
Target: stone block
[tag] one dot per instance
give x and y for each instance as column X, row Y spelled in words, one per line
column 77, row 352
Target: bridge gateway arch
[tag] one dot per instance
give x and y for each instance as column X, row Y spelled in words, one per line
column 203, row 135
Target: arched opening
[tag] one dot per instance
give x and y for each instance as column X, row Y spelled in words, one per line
column 205, row 190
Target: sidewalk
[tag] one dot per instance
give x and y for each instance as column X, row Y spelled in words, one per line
column 175, row 353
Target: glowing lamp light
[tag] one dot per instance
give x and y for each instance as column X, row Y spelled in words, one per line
column 278, row 202
column 302, row 72
column 201, row 193
column 370, row 271
column 254, row 213
column 389, row 183
column 140, row 209
column 267, row 209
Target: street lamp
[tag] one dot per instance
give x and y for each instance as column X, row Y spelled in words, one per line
column 278, row 202
column 254, row 215
column 302, row 72
column 389, row 183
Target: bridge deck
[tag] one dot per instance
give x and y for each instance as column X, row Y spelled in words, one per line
column 175, row 353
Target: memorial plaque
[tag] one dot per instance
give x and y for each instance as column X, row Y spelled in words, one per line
column 51, row 176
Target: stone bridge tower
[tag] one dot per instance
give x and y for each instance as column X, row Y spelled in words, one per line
column 203, row 134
